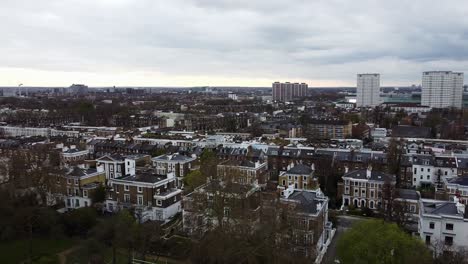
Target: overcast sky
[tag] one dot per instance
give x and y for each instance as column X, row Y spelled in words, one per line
column 228, row 42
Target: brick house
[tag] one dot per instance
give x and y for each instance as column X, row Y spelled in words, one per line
column 154, row 197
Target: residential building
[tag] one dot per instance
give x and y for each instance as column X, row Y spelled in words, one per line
column 430, row 170
column 154, row 197
column 442, row 89
column 443, row 225
column 368, row 90
column 77, row 184
column 363, row 188
column 117, row 166
column 300, row 176
column 457, row 187
column 243, row 172
column 73, row 154
column 179, row 164
column 330, row 129
column 229, row 201
column 285, row 92
column 307, row 215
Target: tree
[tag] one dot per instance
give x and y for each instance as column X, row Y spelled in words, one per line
column 374, row 241
column 208, row 163
column 99, row 194
column 117, row 232
column 194, row 179
column 394, row 155
column 80, row 221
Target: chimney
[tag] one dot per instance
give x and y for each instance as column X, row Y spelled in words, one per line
column 346, row 169
column 369, row 172
column 312, row 166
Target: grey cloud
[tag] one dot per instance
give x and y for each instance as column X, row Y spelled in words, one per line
column 330, row 39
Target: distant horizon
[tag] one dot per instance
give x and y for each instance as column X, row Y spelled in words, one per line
column 189, row 87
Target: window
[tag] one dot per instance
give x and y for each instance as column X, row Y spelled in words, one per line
column 226, row 211
column 428, row 177
column 77, row 203
column 69, row 191
column 448, row 240
column 77, row 192
column 68, row 181
column 428, row 170
column 140, row 189
column 76, row 182
column 126, row 188
column 140, row 199
column 284, row 183
column 422, row 169
column 127, row 198
column 85, row 193
column 431, row 225
column 86, row 204
column 428, row 240
column 158, row 202
column 449, row 226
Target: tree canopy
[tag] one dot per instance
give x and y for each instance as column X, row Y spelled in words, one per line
column 374, row 241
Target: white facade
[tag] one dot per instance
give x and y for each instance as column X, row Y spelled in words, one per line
column 368, row 90
column 443, row 224
column 379, row 133
column 442, row 89
column 424, row 174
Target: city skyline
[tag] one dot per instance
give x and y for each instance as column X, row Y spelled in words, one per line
column 202, row 43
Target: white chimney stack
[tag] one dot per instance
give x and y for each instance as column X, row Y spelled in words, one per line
column 369, row 172
column 346, row 169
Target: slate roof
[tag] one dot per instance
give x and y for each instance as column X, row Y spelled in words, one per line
column 458, row 180
column 243, row 163
column 80, row 172
column 173, row 157
column 440, row 207
column 308, row 201
column 375, row 175
column 407, row 194
column 411, row 132
column 300, row 169
column 462, row 163
column 146, row 177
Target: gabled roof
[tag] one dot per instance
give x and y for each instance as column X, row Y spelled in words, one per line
column 300, row 169
column 308, row 201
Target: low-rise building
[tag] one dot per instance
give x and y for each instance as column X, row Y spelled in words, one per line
column 179, row 164
column 300, row 176
column 311, row 230
column 77, row 184
column 243, row 172
column 443, row 225
column 154, row 197
column 363, row 188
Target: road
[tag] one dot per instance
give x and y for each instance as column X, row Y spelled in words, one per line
column 344, row 222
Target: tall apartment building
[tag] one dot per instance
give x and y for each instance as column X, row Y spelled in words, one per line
column 441, row 89
column 285, row 92
column 368, row 90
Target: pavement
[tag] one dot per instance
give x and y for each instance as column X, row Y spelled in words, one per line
column 344, row 222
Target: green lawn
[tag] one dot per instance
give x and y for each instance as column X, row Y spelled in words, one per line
column 44, row 250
